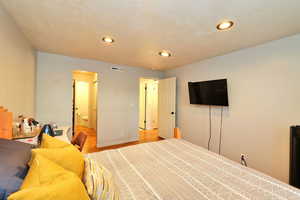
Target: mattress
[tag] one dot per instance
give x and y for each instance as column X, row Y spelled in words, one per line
column 176, row 169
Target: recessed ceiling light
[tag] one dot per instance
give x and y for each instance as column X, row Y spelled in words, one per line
column 164, row 53
column 225, row 25
column 108, row 39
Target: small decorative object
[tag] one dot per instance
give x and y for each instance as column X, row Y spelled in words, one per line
column 54, row 125
column 33, row 122
column 47, row 129
column 26, row 125
column 6, row 125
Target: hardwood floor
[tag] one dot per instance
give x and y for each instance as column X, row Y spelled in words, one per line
column 91, row 142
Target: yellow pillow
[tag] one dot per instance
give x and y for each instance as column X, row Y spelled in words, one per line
column 71, row 189
column 51, row 142
column 68, row 157
column 42, row 172
column 48, row 181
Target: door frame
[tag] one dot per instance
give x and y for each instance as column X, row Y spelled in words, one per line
column 74, row 99
column 73, row 105
column 145, row 102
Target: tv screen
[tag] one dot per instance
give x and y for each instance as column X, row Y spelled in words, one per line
column 209, row 92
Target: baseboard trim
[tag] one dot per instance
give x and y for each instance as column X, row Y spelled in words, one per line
column 115, row 142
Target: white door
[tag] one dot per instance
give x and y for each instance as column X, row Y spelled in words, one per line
column 166, row 107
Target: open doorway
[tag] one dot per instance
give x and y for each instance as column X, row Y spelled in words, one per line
column 85, row 94
column 157, row 108
column 148, row 109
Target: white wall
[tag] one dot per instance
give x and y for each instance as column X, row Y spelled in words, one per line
column 264, row 98
column 17, row 68
column 118, row 95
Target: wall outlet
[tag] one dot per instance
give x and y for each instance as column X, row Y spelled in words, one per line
column 243, row 159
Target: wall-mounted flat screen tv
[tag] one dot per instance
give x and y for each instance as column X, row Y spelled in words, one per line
column 209, row 92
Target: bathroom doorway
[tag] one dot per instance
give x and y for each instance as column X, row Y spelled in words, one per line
column 85, row 95
column 157, row 108
column 148, row 104
column 148, row 110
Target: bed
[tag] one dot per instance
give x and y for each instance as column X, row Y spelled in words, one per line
column 176, row 169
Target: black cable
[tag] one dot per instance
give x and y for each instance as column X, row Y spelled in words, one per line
column 220, row 137
column 208, row 144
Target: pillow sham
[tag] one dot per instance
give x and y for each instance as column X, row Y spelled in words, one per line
column 99, row 181
column 68, row 157
column 51, row 142
column 9, row 185
column 42, row 171
column 14, row 157
column 48, row 181
column 72, row 189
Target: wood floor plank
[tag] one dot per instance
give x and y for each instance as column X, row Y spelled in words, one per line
column 91, row 142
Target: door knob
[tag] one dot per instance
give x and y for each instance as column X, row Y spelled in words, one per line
column 172, row 113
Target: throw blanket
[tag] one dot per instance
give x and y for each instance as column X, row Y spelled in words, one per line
column 176, row 169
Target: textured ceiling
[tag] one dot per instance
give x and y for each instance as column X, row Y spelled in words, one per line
column 142, row 28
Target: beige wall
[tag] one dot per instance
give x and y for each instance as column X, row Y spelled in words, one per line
column 17, row 68
column 264, row 98
column 118, row 95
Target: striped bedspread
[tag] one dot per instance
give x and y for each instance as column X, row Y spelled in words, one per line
column 176, row 169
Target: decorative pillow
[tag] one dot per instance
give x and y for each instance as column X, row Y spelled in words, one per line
column 42, row 171
column 9, row 185
column 72, row 189
column 99, row 181
column 48, row 181
column 68, row 157
column 14, row 157
column 51, row 142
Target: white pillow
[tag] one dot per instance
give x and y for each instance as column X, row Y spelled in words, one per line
column 99, row 181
